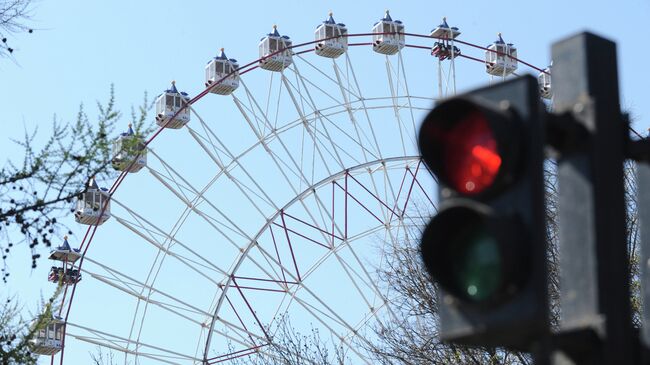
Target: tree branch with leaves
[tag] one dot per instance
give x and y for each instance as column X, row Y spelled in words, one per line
column 37, row 192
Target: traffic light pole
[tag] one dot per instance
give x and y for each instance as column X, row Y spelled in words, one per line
column 594, row 275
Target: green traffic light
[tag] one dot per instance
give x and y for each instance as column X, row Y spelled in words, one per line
column 474, row 256
column 477, row 267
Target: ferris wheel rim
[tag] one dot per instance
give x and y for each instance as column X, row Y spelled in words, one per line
column 306, row 192
column 88, row 237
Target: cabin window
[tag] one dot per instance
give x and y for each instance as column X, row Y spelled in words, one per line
column 273, row 45
column 169, row 102
column 117, row 147
column 139, row 146
column 218, row 67
column 329, row 31
column 89, row 200
column 400, row 29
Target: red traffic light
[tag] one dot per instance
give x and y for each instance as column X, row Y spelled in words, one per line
column 470, row 152
column 467, row 145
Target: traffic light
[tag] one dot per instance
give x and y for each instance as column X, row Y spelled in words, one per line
column 486, row 247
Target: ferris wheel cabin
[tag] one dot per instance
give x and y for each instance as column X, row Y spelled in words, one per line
column 443, row 49
column 49, row 339
column 224, row 69
column 500, row 58
column 65, row 253
column 544, row 80
column 444, row 31
column 168, row 104
column 388, row 35
column 90, row 208
column 327, row 45
column 275, row 52
column 129, row 152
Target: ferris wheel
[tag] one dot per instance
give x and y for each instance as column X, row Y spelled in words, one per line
column 266, row 199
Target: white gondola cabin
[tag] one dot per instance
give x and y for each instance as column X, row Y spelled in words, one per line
column 221, row 68
column 65, row 253
column 327, row 45
column 275, row 52
column 49, row 339
column 444, row 31
column 443, row 48
column 500, row 58
column 388, row 35
column 129, row 152
column 168, row 105
column 544, row 80
column 90, row 207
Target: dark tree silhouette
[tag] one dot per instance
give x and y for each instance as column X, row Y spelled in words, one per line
column 15, row 16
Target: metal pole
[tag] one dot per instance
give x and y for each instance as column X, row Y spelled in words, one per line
column 594, row 276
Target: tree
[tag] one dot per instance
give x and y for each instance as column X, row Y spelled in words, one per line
column 412, row 337
column 17, row 332
column 99, row 357
column 14, row 18
column 37, row 192
column 290, row 347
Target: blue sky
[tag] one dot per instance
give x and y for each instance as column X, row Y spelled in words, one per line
column 83, row 47
column 80, row 48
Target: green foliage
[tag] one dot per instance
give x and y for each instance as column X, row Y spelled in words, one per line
column 37, row 192
column 16, row 332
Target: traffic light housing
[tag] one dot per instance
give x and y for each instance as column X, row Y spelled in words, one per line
column 486, row 247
